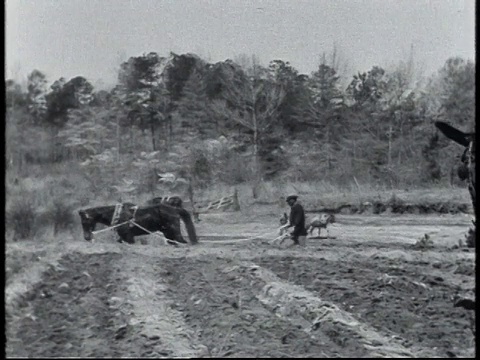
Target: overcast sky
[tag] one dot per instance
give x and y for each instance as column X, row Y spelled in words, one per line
column 91, row 37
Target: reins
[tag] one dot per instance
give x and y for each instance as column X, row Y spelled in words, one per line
column 116, row 214
column 110, row 227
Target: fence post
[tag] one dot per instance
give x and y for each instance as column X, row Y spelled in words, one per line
column 220, row 203
column 236, row 203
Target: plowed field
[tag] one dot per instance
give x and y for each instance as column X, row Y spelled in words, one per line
column 366, row 291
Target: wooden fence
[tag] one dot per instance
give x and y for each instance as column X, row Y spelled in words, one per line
column 227, row 202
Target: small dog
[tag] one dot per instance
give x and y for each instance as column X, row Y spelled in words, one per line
column 320, row 222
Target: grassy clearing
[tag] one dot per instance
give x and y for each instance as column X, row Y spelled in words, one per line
column 48, row 199
column 321, row 194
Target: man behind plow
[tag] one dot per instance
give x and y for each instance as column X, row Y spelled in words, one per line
column 297, row 221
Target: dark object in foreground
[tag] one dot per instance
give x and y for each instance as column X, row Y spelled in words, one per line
column 467, row 304
column 467, row 168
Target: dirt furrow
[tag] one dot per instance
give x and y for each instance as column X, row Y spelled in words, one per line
column 221, row 300
column 365, row 293
column 289, row 300
column 66, row 313
column 154, row 316
column 405, row 301
column 97, row 305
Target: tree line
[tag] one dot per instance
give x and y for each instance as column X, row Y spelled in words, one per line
column 379, row 125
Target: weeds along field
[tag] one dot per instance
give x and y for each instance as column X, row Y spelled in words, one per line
column 47, row 198
column 379, row 285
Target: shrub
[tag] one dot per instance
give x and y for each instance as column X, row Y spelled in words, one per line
column 423, row 243
column 470, row 236
column 61, row 215
column 236, row 169
column 200, row 166
column 21, row 217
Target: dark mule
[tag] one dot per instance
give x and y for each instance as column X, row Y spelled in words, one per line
column 467, row 169
column 159, row 217
column 107, row 215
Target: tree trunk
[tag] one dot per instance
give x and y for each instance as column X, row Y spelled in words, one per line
column 152, row 129
column 354, row 151
column 329, row 158
column 256, row 160
column 256, row 175
column 389, row 161
column 170, row 129
column 191, row 197
column 118, row 139
column 132, row 138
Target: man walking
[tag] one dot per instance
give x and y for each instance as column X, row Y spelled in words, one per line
column 297, row 220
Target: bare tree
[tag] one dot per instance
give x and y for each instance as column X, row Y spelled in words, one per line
column 252, row 102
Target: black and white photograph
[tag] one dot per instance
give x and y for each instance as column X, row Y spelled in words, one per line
column 240, row 179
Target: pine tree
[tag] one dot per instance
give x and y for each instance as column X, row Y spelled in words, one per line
column 194, row 108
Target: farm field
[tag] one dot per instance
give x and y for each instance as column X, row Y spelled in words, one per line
column 366, row 291
column 201, row 127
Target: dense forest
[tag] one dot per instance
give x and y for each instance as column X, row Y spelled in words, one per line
column 235, row 122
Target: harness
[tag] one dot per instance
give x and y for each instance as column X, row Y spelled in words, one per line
column 135, row 208
column 116, row 214
column 132, row 223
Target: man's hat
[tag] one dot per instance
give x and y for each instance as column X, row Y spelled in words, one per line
column 291, row 197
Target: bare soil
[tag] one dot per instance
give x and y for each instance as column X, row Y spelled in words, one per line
column 365, row 291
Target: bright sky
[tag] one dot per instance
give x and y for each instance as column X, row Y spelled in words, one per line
column 91, row 37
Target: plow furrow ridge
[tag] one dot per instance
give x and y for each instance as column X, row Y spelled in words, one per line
column 290, row 301
column 154, row 312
